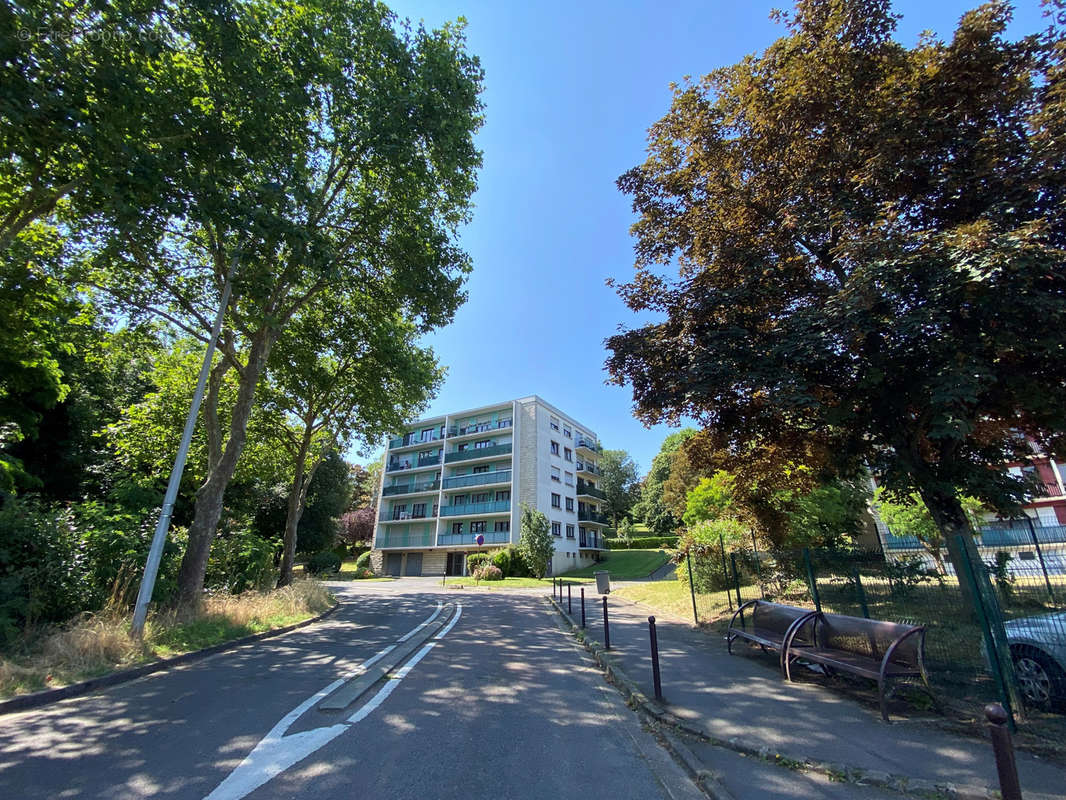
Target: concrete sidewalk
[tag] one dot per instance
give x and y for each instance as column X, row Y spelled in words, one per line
column 742, row 703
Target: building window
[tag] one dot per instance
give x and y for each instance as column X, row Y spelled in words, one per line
column 482, row 468
column 554, row 422
column 503, row 496
column 460, row 499
column 556, row 500
column 569, row 531
column 477, row 527
column 418, row 510
column 427, row 434
column 482, row 444
column 555, row 473
column 503, row 526
column 481, row 497
column 557, row 529
column 569, row 504
column 569, row 478
column 568, row 454
column 555, row 448
column 462, row 447
column 457, row 527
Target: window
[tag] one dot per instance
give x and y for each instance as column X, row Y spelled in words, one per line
column 400, row 512
column 569, row 531
column 569, row 504
column 482, row 468
column 418, row 510
column 554, row 422
column 569, row 478
column 555, row 474
column 480, row 497
column 503, row 526
column 556, row 500
column 462, row 447
column 477, row 527
column 441, row 431
column 457, row 527
column 504, row 423
column 557, row 529
column 460, row 499
column 427, row 434
column 555, row 448
column 482, row 444
column 566, row 432
column 568, row 454
column 503, row 496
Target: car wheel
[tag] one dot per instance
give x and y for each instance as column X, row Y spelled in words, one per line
column 1042, row 681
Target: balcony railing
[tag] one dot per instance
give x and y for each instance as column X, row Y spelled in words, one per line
column 413, row 438
column 590, row 541
column 588, row 444
column 491, row 537
column 494, row 507
column 591, row 516
column 480, row 452
column 385, row 540
column 407, row 463
column 479, row 479
column 1044, row 489
column 591, row 491
column 411, row 488
column 586, row 467
column 480, row 427
column 405, row 516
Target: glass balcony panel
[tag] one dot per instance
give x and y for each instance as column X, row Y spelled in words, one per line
column 482, row 452
column 491, row 537
column 403, row 539
column 476, row 508
column 478, row 479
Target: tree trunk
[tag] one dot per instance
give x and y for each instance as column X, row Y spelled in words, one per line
column 208, row 509
column 297, row 501
column 947, row 512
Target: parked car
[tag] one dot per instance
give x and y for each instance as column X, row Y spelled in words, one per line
column 1038, row 646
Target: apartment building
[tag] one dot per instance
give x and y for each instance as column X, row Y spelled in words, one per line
column 454, row 485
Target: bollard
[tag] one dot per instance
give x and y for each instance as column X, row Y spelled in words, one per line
column 606, row 626
column 582, row 606
column 692, row 588
column 1003, row 748
column 656, row 680
column 569, row 601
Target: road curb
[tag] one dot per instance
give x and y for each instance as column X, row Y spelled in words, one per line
column 635, row 698
column 25, row 702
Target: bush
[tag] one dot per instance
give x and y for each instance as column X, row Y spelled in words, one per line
column 488, row 572
column 502, row 560
column 642, row 543
column 241, row 560
column 475, row 560
column 363, row 562
column 323, row 561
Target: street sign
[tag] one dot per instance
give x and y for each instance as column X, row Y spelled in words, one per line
column 480, row 540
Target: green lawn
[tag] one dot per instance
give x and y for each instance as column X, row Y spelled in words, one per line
column 624, row 565
column 347, row 573
column 671, row 596
column 507, row 583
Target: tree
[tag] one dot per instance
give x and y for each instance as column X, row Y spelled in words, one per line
column 912, row 518
column 711, row 499
column 869, row 237
column 653, row 508
column 357, row 527
column 329, row 493
column 620, row 483
column 535, row 545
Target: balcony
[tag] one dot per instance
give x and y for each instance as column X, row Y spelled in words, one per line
column 387, row 540
column 585, row 443
column 494, row 507
column 1044, row 489
column 590, row 491
column 491, row 537
column 480, row 427
column 411, row 488
column 592, row 516
column 479, row 452
column 589, row 468
column 590, row 541
column 406, row 463
column 405, row 516
column 480, row 479
column 414, row 438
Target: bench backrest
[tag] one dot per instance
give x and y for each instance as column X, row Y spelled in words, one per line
column 868, row 637
column 775, row 617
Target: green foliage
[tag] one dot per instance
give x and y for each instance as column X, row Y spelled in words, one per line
column 328, row 495
column 625, row 530
column 619, row 481
column 535, row 545
column 711, row 499
column 241, row 560
column 653, row 508
column 905, row 573
column 476, row 560
column 643, row 543
column 909, row 516
column 709, row 543
column 999, row 570
column 488, row 572
column 828, row 515
column 363, row 561
column 323, row 561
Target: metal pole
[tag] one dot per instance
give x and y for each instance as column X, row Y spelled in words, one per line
column 725, row 573
column 736, row 577
column 606, row 626
column 692, row 588
column 569, row 601
column 1040, row 555
column 159, row 538
column 758, row 566
column 582, row 606
column 655, row 677
column 812, row 580
column 1003, row 748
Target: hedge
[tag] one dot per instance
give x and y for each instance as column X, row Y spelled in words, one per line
column 642, row 543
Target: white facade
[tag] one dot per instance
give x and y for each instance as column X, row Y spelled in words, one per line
column 451, row 479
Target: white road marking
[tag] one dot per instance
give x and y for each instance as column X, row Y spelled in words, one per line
column 276, row 752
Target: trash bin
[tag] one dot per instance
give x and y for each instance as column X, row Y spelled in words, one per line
column 603, row 581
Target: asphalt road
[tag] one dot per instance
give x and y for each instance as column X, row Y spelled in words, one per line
column 501, row 704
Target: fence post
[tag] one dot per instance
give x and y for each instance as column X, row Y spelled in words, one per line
column 812, row 580
column 691, row 588
column 758, row 566
column 862, row 592
column 582, row 606
column 606, row 626
column 991, row 646
column 736, row 577
column 655, row 677
column 1003, row 748
column 569, row 601
column 1040, row 555
column 725, row 573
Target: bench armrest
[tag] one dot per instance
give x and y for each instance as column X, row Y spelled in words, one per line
column 919, row 631
column 740, row 610
column 790, row 634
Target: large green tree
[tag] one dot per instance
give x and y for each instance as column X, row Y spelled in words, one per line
column 620, row 483
column 652, row 507
column 870, row 241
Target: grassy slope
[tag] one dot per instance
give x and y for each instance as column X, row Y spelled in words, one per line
column 624, row 565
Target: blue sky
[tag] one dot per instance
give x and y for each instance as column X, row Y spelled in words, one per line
column 570, row 90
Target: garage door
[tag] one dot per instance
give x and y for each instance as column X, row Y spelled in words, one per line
column 393, row 562
column 414, row 564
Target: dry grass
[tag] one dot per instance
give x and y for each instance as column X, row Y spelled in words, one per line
column 95, row 644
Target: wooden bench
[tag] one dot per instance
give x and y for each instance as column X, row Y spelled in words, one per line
column 770, row 625
column 869, row 648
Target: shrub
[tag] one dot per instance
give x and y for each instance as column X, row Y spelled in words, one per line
column 363, row 561
column 642, row 543
column 475, row 560
column 488, row 572
column 240, row 560
column 502, row 560
column 323, row 561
